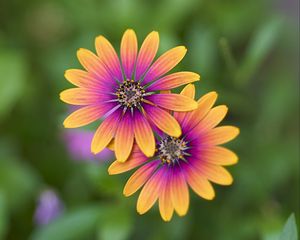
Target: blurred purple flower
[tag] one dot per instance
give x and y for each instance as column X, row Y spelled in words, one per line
column 79, row 146
column 49, row 207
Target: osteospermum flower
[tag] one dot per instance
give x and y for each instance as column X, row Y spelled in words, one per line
column 194, row 160
column 126, row 93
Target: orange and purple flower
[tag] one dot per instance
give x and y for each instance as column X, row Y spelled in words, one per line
column 127, row 93
column 194, row 159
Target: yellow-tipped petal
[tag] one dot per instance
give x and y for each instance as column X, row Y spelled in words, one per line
column 108, row 56
column 84, row 116
column 175, row 102
column 105, row 133
column 144, row 135
column 165, row 63
column 220, row 135
column 147, row 53
column 174, row 80
column 129, row 48
column 124, row 139
column 219, row 156
column 179, row 194
column 163, row 120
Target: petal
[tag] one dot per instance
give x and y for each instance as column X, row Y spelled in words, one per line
column 219, row 135
column 172, row 101
column 124, row 138
column 165, row 204
column 188, row 91
column 83, row 96
column 179, row 192
column 146, row 54
column 135, row 159
column 150, row 192
column 163, row 120
column 105, row 132
column 165, row 63
column 85, row 116
column 205, row 103
column 199, row 183
column 93, row 65
column 138, row 179
column 143, row 134
column 82, row 79
column 219, row 156
column 174, row 80
column 212, row 119
column 108, row 55
column 129, row 48
column 214, row 173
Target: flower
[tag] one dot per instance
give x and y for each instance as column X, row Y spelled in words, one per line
column 78, row 143
column 49, row 207
column 194, row 159
column 127, row 93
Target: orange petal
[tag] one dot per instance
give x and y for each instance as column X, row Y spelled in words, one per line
column 175, row 102
column 179, row 193
column 219, row 156
column 109, row 57
column 163, row 120
column 129, row 48
column 82, row 96
column 165, row 204
column 174, row 80
column 150, row 192
column 146, row 54
column 144, row 135
column 124, row 139
column 220, row 135
column 105, row 132
column 188, row 91
column 84, row 116
column 215, row 173
column 138, row 179
column 205, row 103
column 82, row 79
column 93, row 64
column 199, row 183
column 135, row 159
column 165, row 63
column 212, row 119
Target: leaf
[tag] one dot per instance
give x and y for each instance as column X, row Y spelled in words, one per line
column 116, row 224
column 73, row 225
column 18, row 181
column 3, row 216
column 259, row 47
column 289, row 231
column 12, row 82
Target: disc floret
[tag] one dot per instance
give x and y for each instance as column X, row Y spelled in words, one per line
column 171, row 150
column 130, row 94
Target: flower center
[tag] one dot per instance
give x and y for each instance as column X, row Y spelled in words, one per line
column 130, row 93
column 171, row 150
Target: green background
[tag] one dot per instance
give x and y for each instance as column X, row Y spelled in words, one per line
column 247, row 51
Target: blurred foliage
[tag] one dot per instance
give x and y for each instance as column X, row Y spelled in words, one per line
column 247, row 51
column 289, row 231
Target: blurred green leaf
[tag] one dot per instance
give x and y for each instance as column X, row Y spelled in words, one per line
column 73, row 225
column 259, row 47
column 12, row 81
column 116, row 224
column 3, row 215
column 17, row 180
column 289, row 231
